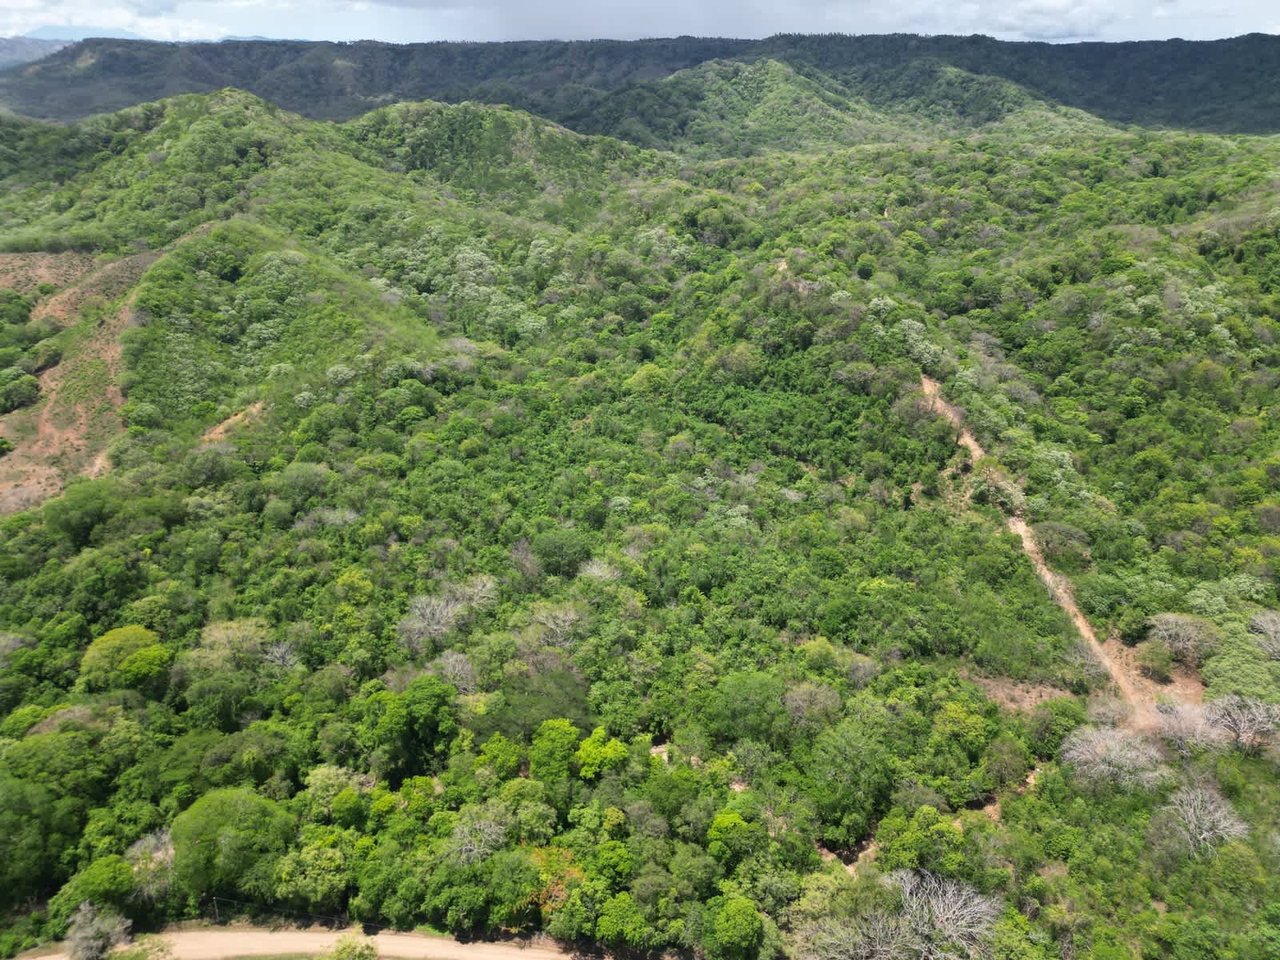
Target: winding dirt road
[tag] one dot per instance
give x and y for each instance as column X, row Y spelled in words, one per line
column 1142, row 709
column 217, row 943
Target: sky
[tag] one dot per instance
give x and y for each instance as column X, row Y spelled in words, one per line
column 418, row 20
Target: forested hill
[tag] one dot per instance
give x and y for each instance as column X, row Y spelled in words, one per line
column 1223, row 86
column 447, row 518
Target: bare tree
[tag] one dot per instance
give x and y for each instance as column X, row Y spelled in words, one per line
column 1266, row 629
column 94, row 931
column 456, row 668
column 280, row 655
column 1081, row 660
column 478, row 592
column 478, row 835
column 1184, row 727
column 525, row 560
column 1249, row 722
column 949, row 918
column 876, row 936
column 433, row 616
column 1188, row 637
column 1201, row 819
column 151, row 859
column 1100, row 757
column 557, row 623
column 430, row 617
column 862, row 669
column 9, row 642
column 812, row 705
column 596, row 569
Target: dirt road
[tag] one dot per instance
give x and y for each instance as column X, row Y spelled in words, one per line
column 1143, row 709
column 217, row 943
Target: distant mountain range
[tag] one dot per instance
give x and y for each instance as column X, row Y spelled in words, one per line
column 635, row 89
column 15, row 51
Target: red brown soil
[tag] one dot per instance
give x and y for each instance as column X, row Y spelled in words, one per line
column 26, row 271
column 61, row 436
column 218, row 432
column 1014, row 695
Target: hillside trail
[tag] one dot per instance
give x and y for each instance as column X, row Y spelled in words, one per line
column 217, row 943
column 1141, row 707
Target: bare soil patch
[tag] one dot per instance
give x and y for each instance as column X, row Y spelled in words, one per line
column 26, row 271
column 65, row 434
column 1016, row 695
column 218, row 432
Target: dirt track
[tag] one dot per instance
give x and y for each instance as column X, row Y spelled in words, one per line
column 1143, row 714
column 220, row 943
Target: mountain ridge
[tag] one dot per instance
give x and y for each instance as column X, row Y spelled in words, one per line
column 1216, row 86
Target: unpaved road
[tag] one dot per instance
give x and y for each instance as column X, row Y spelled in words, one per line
column 219, row 943
column 1143, row 710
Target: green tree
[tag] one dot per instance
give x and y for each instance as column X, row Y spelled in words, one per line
column 228, row 842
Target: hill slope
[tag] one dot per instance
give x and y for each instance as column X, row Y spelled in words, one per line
column 18, row 50
column 494, row 527
column 1222, row 86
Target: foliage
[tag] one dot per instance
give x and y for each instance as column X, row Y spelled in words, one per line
column 516, row 530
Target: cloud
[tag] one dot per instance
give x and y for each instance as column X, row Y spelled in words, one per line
column 573, row 19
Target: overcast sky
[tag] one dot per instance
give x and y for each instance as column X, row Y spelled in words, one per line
column 411, row 20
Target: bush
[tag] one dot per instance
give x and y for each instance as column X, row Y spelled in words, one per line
column 94, row 932
column 1155, row 660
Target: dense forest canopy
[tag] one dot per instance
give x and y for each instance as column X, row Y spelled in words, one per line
column 1223, row 86
column 628, row 529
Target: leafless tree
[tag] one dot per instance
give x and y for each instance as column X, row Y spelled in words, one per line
column 430, row 617
column 812, row 705
column 1188, row 637
column 862, row 669
column 1201, row 819
column 1266, row 629
column 1183, row 726
column 10, row 642
column 1079, row 657
column 280, row 655
column 478, row 592
column 950, row 919
column 525, row 559
column 596, row 569
column 478, row 835
column 557, row 623
column 1100, row 757
column 152, row 861
column 876, row 936
column 94, row 931
column 456, row 668
column 1249, row 722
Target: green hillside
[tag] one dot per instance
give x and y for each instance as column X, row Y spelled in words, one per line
column 448, row 517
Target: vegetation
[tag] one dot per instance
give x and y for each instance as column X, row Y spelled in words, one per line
column 1221, row 86
column 516, row 530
